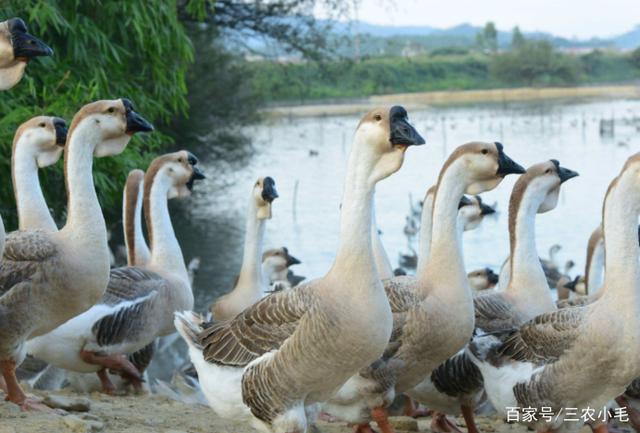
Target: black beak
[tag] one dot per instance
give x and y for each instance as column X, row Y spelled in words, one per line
column 464, row 201
column 26, row 45
column 290, row 259
column 61, row 131
column 485, row 209
column 492, row 276
column 572, row 284
column 564, row 173
column 401, row 130
column 507, row 165
column 269, row 192
column 135, row 122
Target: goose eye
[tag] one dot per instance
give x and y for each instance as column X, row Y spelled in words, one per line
column 377, row 117
column 42, row 125
column 485, row 151
column 548, row 170
column 111, row 109
column 180, row 160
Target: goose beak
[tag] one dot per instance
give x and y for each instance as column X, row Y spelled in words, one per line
column 196, row 174
column 571, row 285
column 26, row 46
column 61, row 131
column 485, row 209
column 464, row 201
column 507, row 165
column 135, row 122
column 492, row 277
column 292, row 260
column 269, row 192
column 565, row 174
column 402, row 132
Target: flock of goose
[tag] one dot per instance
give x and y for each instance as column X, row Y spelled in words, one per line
column 341, row 346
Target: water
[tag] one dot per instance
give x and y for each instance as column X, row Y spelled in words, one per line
column 530, row 132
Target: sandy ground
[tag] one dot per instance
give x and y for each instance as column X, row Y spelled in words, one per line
column 418, row 100
column 157, row 414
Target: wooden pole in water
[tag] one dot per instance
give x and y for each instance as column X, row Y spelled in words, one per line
column 295, row 201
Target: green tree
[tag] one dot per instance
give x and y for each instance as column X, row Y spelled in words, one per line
column 487, row 39
column 104, row 49
column 635, row 57
column 517, row 39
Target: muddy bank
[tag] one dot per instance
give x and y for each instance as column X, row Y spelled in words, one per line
column 418, row 100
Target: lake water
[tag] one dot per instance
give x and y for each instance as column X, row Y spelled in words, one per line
column 307, row 223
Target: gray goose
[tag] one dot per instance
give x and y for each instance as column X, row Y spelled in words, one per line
column 48, row 277
column 275, row 361
column 424, row 334
column 456, row 385
column 139, row 302
column 577, row 357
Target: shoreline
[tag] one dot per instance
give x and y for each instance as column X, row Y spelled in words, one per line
column 453, row 97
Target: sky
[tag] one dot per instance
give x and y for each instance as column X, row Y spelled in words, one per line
column 568, row 18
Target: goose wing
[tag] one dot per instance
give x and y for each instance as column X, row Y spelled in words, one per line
column 24, row 254
column 401, row 300
column 546, row 337
column 257, row 330
column 494, row 313
column 577, row 301
column 132, row 301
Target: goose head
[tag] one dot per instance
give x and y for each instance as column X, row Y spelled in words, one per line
column 43, row 138
column 278, row 260
column 178, row 170
column 485, row 165
column 471, row 211
column 264, row 193
column 17, row 47
column 545, row 179
column 114, row 121
column 382, row 137
column 482, row 279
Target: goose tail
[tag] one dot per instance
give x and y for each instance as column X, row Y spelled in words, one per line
column 188, row 324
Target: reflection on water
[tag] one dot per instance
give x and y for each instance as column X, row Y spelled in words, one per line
column 311, row 154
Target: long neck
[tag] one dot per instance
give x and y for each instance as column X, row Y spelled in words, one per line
column 595, row 275
column 10, row 76
column 424, row 245
column 354, row 255
column 33, row 212
column 383, row 264
column 622, row 272
column 2, row 236
column 251, row 270
column 84, row 215
column 528, row 281
column 138, row 253
column 165, row 249
column 445, row 274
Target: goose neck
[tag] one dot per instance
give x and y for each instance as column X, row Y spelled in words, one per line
column 251, row 270
column 138, row 253
column 33, row 212
column 595, row 268
column 383, row 264
column 424, row 241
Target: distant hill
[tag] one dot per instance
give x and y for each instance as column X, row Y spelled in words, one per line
column 629, row 40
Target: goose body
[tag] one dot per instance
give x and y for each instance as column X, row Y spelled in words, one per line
column 526, row 295
column 275, row 361
column 549, row 361
column 48, row 277
column 140, row 300
column 251, row 285
column 424, row 335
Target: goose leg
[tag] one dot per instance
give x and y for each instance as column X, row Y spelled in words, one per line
column 363, row 428
column 413, row 410
column 3, row 385
column 107, row 386
column 634, row 414
column 467, row 413
column 381, row 417
column 15, row 394
column 441, row 424
column 600, row 428
column 118, row 363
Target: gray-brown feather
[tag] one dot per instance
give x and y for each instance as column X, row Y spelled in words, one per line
column 457, row 376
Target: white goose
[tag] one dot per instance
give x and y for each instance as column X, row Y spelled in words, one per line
column 38, row 142
column 424, row 333
column 549, row 361
column 49, row 277
column 251, row 285
column 138, row 304
column 456, row 385
column 17, row 47
column 295, row 348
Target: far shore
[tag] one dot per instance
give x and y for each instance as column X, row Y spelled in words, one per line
column 439, row 98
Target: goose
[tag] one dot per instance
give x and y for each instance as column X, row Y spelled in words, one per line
column 456, row 385
column 17, row 47
column 48, row 277
column 138, row 253
column 482, row 279
column 424, row 336
column 251, row 285
column 380, row 256
column 38, row 142
column 549, row 361
column 138, row 304
column 276, row 360
column 275, row 267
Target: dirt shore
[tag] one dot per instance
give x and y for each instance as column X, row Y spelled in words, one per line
column 157, row 414
column 418, row 100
